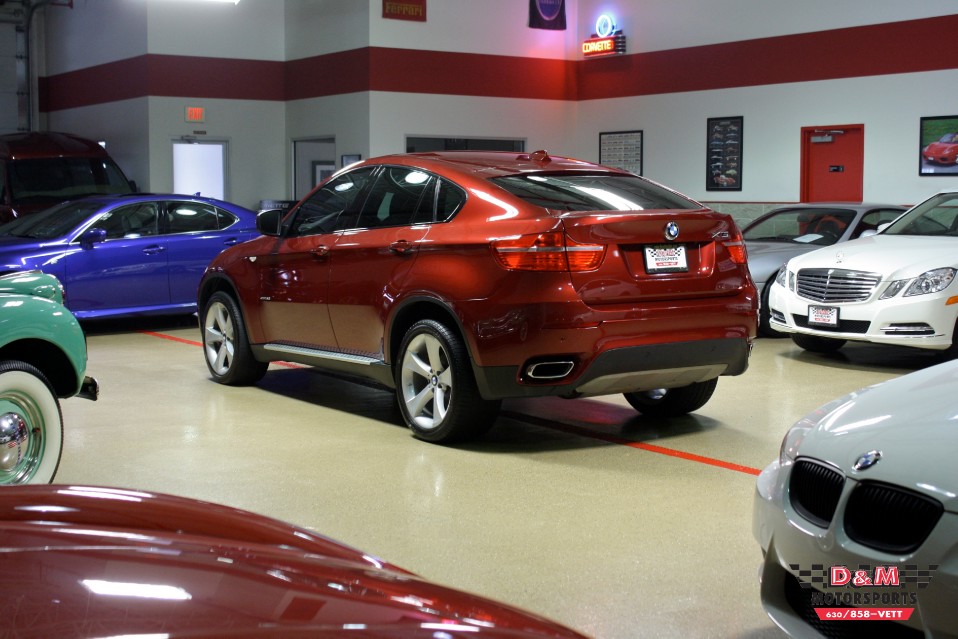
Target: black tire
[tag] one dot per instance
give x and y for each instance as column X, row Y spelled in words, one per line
column 672, row 402
column 951, row 352
column 816, row 344
column 31, row 426
column 226, row 343
column 437, row 393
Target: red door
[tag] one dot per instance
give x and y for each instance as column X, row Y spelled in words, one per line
column 833, row 160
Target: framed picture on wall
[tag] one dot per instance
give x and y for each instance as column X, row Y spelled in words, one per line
column 938, row 146
column 322, row 169
column 723, row 154
column 622, row 150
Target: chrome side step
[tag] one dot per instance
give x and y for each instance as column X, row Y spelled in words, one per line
column 315, row 353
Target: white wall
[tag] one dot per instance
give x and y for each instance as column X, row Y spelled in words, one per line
column 255, row 133
column 93, row 32
column 674, row 138
column 542, row 123
column 318, row 27
column 343, row 117
column 371, row 123
column 656, row 25
column 139, row 132
column 492, row 27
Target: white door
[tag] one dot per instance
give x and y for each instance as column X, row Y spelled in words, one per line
column 200, row 167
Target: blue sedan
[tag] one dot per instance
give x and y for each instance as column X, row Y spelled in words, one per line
column 126, row 255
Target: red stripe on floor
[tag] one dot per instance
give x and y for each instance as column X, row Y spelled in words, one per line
column 567, row 428
column 651, row 448
column 191, row 342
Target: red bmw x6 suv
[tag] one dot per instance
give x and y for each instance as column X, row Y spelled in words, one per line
column 463, row 278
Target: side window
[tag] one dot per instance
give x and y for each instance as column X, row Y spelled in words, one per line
column 396, row 196
column 873, row 219
column 449, row 200
column 321, row 213
column 136, row 220
column 190, row 217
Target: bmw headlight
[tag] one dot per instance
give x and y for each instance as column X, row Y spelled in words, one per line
column 793, row 439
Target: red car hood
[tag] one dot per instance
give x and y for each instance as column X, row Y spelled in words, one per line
column 939, row 147
column 94, row 562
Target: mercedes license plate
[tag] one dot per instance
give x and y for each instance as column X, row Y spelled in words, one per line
column 823, row 315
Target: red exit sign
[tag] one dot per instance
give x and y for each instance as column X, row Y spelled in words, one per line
column 195, row 114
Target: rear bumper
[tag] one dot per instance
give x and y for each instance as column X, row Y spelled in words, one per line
column 626, row 369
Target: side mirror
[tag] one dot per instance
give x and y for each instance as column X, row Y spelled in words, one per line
column 268, row 222
column 868, row 233
column 91, row 237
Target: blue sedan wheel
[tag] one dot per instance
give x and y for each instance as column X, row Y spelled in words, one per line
column 31, row 426
column 226, row 344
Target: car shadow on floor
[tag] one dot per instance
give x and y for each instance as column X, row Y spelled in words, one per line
column 114, row 326
column 861, row 356
column 529, row 425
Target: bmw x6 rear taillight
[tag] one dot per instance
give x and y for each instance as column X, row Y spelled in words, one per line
column 552, row 251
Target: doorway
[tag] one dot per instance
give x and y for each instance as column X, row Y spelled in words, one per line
column 833, row 163
column 200, row 167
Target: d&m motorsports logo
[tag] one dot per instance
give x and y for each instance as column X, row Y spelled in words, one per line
column 864, row 592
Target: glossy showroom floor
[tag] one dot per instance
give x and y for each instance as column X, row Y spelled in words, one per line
column 581, row 510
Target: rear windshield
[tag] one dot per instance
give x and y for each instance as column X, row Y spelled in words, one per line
column 52, row 180
column 577, row 192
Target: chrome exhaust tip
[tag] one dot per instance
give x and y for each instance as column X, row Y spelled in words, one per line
column 549, row 370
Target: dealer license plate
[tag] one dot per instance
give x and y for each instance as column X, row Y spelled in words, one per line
column 823, row 315
column 666, row 258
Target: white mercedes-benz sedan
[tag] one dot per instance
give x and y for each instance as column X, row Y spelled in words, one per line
column 894, row 287
column 858, row 517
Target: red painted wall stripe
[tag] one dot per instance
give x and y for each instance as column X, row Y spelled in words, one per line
column 872, row 50
column 882, row 49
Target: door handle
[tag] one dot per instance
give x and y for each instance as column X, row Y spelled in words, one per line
column 402, row 247
column 232, row 241
column 154, row 249
column 320, row 252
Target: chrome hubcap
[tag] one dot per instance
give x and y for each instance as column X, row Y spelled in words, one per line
column 426, row 381
column 14, row 441
column 218, row 338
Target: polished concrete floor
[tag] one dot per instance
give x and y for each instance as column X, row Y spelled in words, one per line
column 617, row 525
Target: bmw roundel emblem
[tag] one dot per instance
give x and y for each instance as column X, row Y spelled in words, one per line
column 867, row 460
column 671, row 231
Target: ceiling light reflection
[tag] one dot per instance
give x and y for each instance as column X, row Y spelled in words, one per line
column 144, row 591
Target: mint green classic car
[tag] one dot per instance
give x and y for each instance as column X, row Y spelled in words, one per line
column 43, row 358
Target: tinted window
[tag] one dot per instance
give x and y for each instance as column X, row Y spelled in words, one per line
column 568, row 192
column 135, row 220
column 935, row 216
column 63, row 178
column 321, row 212
column 51, row 223
column 396, row 196
column 188, row 217
column 449, row 200
column 873, row 219
column 818, row 226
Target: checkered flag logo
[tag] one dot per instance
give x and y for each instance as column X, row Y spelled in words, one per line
column 816, row 576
